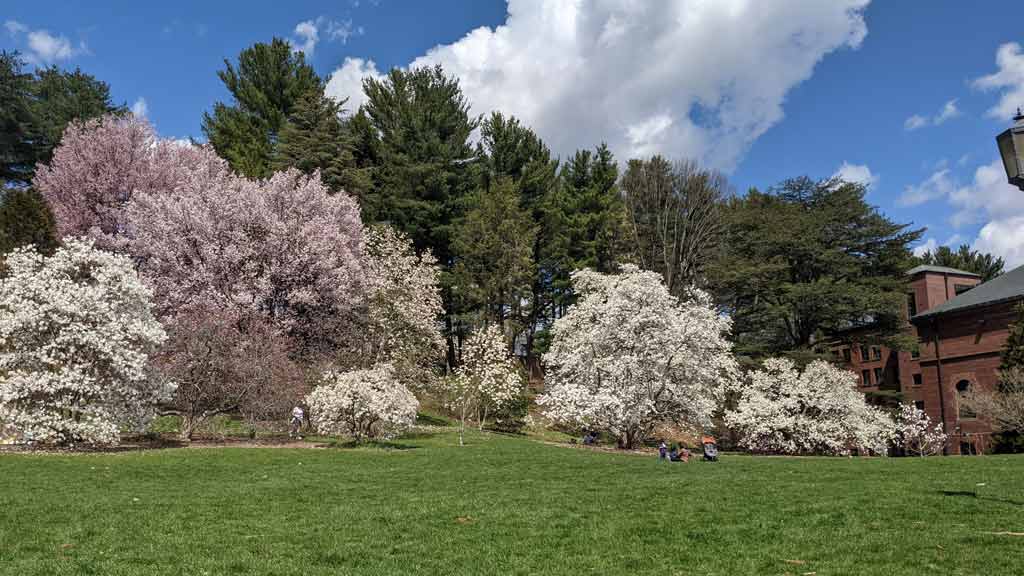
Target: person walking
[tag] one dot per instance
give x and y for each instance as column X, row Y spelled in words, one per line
column 295, row 428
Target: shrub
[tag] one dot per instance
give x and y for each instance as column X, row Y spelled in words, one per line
column 364, row 404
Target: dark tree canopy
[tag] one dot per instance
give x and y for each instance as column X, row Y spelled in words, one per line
column 594, row 210
column 25, row 219
column 36, row 108
column 266, row 86
column 985, row 265
column 316, row 138
column 674, row 215
column 808, row 261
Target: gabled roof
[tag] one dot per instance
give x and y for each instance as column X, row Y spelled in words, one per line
column 1008, row 287
column 940, row 270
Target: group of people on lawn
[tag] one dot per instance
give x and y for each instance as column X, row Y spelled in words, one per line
column 675, row 453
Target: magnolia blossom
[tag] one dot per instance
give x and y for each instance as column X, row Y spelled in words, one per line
column 629, row 356
column 916, row 433
column 283, row 248
column 487, row 379
column 362, row 404
column 403, row 307
column 817, row 411
column 101, row 164
column 76, row 331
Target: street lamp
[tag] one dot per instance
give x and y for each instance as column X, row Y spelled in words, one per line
column 1011, row 148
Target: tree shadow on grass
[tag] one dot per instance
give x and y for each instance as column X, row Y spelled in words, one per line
column 372, row 444
column 431, row 420
column 974, row 494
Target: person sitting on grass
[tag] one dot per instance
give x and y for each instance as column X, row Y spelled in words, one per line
column 679, row 454
column 710, row 449
column 662, row 450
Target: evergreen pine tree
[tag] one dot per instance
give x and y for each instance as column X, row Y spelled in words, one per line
column 1013, row 352
column 266, row 86
column 25, row 219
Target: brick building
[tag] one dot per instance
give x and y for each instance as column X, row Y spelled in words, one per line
column 961, row 341
column 961, row 326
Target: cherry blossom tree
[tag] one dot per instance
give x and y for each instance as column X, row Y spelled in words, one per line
column 282, row 248
column 816, row 411
column 363, row 404
column 629, row 356
column 76, row 333
column 487, row 379
column 915, row 432
column 101, row 164
column 404, row 308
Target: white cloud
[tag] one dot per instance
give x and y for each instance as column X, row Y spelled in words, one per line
column 307, row 33
column 700, row 79
column 14, row 27
column 988, row 196
column 1009, row 79
column 948, row 112
column 929, row 246
column 859, row 173
column 346, row 82
column 140, row 108
column 1004, row 237
column 938, row 185
column 44, row 48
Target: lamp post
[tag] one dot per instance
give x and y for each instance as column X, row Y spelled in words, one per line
column 1011, row 149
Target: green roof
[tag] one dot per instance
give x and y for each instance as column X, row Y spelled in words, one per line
column 940, row 270
column 1007, row 287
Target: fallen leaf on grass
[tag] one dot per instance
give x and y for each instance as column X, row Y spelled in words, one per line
column 797, row 562
column 464, row 519
column 66, row 546
column 1006, row 533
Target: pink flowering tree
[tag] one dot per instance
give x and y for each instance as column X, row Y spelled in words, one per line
column 281, row 248
column 815, row 411
column 76, row 334
column 101, row 164
column 629, row 357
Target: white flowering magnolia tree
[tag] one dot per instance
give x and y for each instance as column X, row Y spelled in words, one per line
column 76, row 333
column 363, row 404
column 816, row 411
column 630, row 356
column 487, row 379
column 404, row 308
column 916, row 433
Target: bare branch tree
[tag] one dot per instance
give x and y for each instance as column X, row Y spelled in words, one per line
column 1003, row 406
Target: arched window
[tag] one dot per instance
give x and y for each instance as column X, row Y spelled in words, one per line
column 962, row 388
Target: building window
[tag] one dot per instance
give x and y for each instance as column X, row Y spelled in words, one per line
column 846, row 354
column 919, row 404
column 911, row 304
column 879, row 380
column 961, row 288
column 917, row 379
column 865, row 377
column 962, row 389
column 864, row 357
column 876, row 353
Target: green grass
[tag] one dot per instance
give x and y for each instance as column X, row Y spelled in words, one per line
column 503, row 505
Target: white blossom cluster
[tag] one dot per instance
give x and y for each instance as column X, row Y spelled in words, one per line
column 487, row 379
column 817, row 411
column 915, row 432
column 363, row 404
column 405, row 307
column 629, row 356
column 76, row 332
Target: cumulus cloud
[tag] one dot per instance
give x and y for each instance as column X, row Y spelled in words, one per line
column 1004, row 237
column 938, row 185
column 140, row 108
column 346, row 82
column 988, row 196
column 929, row 246
column 859, row 173
column 697, row 79
column 948, row 112
column 1008, row 79
column 43, row 48
column 307, row 33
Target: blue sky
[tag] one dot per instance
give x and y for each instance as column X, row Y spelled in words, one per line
column 764, row 91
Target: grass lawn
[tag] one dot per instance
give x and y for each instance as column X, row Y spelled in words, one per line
column 503, row 505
